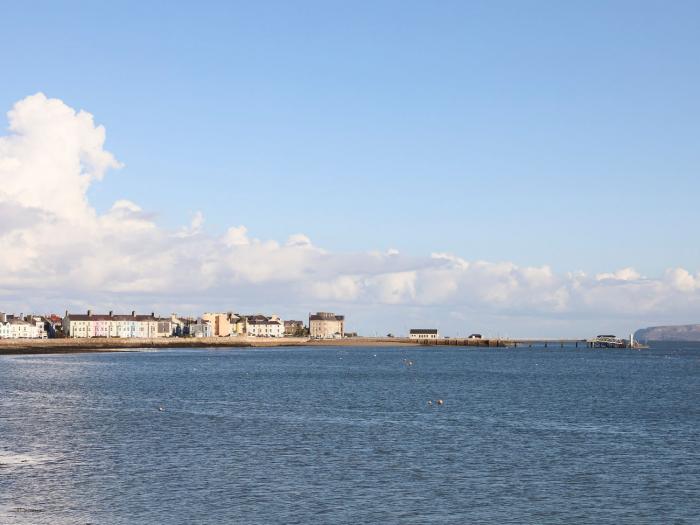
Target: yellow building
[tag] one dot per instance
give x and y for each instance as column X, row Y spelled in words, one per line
column 222, row 324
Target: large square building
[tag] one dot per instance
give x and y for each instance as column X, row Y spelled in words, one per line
column 326, row 325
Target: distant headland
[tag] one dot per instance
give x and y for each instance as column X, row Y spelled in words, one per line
column 685, row 332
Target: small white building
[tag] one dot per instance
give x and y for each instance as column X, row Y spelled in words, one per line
column 40, row 324
column 423, row 334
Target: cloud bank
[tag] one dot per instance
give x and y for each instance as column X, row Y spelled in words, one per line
column 57, row 250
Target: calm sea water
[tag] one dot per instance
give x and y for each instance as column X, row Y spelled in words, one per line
column 346, row 435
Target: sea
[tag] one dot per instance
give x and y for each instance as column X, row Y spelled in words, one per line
column 352, row 435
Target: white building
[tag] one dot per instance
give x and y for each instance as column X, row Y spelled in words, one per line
column 110, row 325
column 263, row 326
column 326, row 325
column 39, row 322
column 14, row 328
column 423, row 333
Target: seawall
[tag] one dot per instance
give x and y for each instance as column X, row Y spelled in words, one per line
column 95, row 344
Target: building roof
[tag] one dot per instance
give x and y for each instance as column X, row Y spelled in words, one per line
column 261, row 319
column 325, row 316
column 15, row 320
column 116, row 317
column 423, row 331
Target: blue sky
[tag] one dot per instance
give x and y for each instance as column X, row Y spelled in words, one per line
column 542, row 133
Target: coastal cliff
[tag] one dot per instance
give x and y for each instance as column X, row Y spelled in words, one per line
column 687, row 332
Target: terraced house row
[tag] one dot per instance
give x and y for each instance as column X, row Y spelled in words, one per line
column 110, row 325
column 150, row 326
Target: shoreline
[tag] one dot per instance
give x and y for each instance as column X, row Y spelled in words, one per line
column 95, row 345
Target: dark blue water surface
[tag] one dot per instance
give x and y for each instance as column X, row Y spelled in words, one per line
column 346, row 435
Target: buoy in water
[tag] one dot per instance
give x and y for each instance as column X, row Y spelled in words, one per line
column 161, row 409
column 440, row 402
column 430, row 403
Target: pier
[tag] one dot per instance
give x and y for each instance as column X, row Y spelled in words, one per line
column 561, row 343
column 462, row 342
column 529, row 343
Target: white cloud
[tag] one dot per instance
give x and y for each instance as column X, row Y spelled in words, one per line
column 195, row 226
column 54, row 244
column 236, row 236
column 625, row 274
column 298, row 239
column 682, row 280
column 341, row 288
column 51, row 156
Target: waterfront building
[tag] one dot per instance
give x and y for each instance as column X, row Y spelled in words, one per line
column 294, row 328
column 17, row 328
column 223, row 324
column 40, row 323
column 178, row 325
column 52, row 325
column 326, row 325
column 240, row 326
column 200, row 328
column 263, row 326
column 111, row 325
column 423, row 333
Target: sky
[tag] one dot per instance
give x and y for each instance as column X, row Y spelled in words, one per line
column 511, row 168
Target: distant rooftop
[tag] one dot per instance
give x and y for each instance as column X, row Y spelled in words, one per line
column 325, row 316
column 114, row 317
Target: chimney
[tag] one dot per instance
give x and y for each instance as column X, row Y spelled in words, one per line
column 89, row 313
column 133, row 313
column 110, row 313
column 153, row 314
